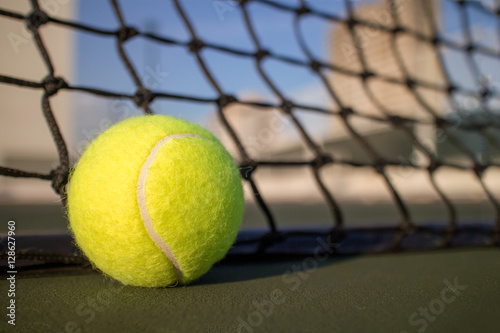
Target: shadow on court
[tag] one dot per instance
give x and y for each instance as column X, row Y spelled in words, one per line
column 290, row 270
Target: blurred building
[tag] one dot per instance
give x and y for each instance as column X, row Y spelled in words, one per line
column 380, row 54
column 25, row 139
column 264, row 132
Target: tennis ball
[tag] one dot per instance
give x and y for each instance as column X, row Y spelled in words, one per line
column 155, row 201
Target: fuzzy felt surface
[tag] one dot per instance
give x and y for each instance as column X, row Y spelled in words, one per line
column 193, row 196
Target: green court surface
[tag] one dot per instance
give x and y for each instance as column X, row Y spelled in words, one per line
column 438, row 291
column 455, row 290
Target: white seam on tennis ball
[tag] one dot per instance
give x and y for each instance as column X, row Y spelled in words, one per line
column 141, row 199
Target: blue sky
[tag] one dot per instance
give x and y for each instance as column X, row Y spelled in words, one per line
column 220, row 22
column 212, row 24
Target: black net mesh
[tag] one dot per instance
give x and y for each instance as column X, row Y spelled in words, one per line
column 353, row 27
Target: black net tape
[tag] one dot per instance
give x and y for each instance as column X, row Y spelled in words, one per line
column 339, row 237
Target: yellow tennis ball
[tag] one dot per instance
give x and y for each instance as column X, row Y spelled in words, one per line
column 155, row 201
